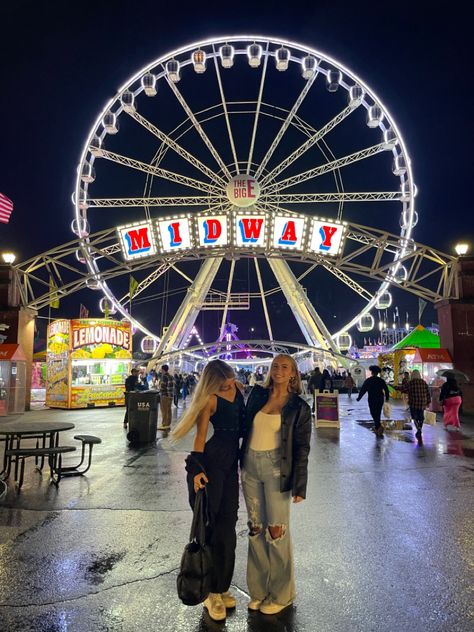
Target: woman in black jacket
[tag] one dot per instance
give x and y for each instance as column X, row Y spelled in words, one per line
column 275, row 468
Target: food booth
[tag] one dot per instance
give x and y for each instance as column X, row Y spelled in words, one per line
column 88, row 361
column 428, row 362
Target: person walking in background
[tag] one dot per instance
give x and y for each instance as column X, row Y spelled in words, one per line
column 166, row 397
column 325, row 383
column 450, row 397
column 213, row 464
column 313, row 385
column 178, row 384
column 130, row 385
column 349, row 384
column 377, row 391
column 274, row 469
column 418, row 399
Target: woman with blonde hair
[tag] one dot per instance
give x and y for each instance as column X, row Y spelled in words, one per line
column 274, row 468
column 214, row 464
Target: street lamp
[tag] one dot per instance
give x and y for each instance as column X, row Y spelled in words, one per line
column 461, row 249
column 8, row 257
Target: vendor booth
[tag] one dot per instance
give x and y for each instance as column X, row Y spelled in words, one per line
column 12, row 379
column 428, row 362
column 88, row 361
column 401, row 356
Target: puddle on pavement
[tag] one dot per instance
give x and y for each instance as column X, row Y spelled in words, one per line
column 101, row 566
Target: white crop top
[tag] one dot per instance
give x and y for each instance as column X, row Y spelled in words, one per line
column 265, row 432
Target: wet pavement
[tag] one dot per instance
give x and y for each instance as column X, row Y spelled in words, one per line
column 383, row 543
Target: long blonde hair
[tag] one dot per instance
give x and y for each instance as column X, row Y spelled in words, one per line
column 215, row 373
column 294, row 385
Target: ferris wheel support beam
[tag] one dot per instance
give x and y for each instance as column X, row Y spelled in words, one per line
column 185, row 317
column 312, row 327
column 311, row 198
column 264, row 301
column 227, row 299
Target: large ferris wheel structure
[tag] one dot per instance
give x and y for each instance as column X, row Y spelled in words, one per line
column 253, row 133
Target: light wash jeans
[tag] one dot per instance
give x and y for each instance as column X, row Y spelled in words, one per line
column 270, row 572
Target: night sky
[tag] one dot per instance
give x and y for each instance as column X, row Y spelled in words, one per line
column 62, row 61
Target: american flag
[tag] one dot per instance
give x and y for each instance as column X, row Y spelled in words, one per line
column 6, row 208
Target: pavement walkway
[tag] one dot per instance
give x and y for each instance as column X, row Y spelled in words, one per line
column 383, row 543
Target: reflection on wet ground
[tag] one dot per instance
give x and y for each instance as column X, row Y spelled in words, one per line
column 452, row 442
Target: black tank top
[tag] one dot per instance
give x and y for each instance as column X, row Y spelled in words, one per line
column 229, row 416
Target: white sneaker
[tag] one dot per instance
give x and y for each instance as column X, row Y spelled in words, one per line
column 229, row 599
column 254, row 604
column 269, row 607
column 215, row 607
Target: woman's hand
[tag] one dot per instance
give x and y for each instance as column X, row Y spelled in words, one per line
column 297, row 499
column 200, row 481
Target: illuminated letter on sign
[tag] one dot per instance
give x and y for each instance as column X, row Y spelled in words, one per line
column 288, row 232
column 137, row 240
column 175, row 234
column 250, row 230
column 212, row 230
column 327, row 237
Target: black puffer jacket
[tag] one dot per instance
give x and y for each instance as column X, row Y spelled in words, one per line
column 295, row 438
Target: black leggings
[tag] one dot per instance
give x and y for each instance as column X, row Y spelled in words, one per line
column 223, row 497
column 375, row 408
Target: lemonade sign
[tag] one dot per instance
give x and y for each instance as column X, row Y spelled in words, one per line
column 99, row 340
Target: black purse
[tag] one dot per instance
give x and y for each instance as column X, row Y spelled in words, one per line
column 194, row 578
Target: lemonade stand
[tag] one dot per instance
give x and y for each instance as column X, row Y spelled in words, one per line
column 87, row 363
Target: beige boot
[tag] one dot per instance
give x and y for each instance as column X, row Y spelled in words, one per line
column 215, row 607
column 229, row 599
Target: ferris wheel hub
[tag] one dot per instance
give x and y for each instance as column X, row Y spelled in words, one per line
column 243, row 191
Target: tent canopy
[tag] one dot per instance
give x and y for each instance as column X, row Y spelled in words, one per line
column 419, row 338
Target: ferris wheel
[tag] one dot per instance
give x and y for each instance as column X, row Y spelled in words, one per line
column 283, row 147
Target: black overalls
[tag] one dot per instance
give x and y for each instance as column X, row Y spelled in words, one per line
column 220, row 460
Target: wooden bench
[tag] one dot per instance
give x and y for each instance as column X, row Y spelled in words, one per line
column 54, row 454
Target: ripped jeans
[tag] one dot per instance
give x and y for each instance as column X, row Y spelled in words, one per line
column 270, row 572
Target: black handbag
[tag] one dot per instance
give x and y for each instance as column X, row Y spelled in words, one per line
column 194, row 578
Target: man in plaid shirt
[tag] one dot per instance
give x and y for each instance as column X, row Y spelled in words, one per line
column 418, row 399
column 166, row 397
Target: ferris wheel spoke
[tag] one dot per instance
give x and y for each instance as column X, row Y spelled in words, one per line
column 319, row 135
column 226, row 112
column 158, row 171
column 154, row 201
column 257, row 110
column 149, row 280
column 312, row 198
column 263, row 299
column 327, row 168
column 198, row 127
column 286, row 123
column 345, row 278
column 176, row 147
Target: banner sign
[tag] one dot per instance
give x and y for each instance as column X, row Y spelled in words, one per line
column 327, row 409
column 240, row 228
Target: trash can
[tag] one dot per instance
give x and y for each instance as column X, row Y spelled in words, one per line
column 142, row 409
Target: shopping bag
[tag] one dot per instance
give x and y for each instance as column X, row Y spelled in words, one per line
column 387, row 410
column 430, row 417
column 194, row 577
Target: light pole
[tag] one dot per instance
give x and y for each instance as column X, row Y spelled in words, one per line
column 461, row 249
column 8, row 257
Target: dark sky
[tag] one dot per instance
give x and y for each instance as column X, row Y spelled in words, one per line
column 60, row 61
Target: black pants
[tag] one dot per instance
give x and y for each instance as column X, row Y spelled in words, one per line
column 223, row 497
column 418, row 416
column 375, row 408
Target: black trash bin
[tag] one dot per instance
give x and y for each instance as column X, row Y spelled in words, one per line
column 142, row 407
